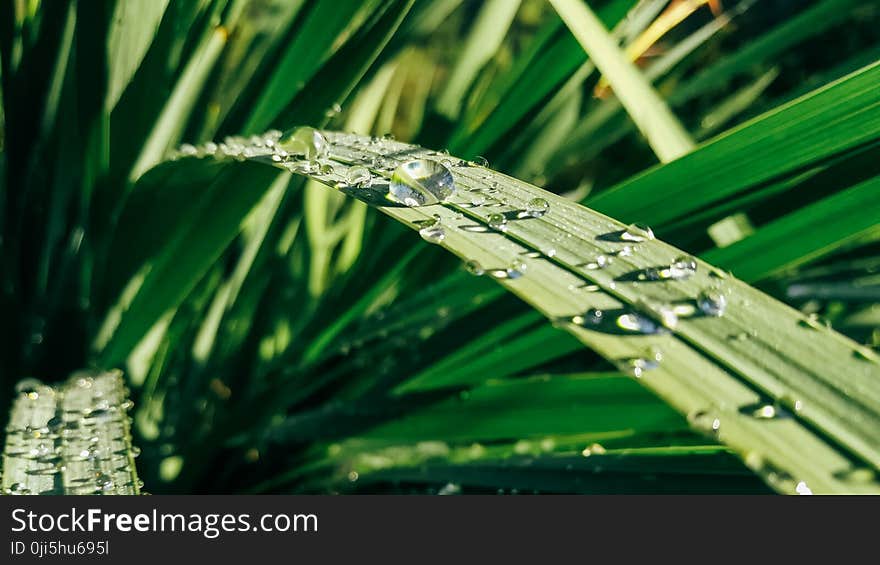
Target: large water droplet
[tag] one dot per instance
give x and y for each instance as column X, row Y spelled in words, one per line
column 306, row 143
column 712, row 302
column 537, row 207
column 637, row 233
column 497, row 222
column 421, row 183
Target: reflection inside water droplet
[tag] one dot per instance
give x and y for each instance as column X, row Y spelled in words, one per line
column 305, row 143
column 421, row 183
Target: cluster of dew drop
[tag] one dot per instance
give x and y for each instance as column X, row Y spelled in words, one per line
column 425, row 182
column 73, row 440
column 643, row 318
column 370, row 176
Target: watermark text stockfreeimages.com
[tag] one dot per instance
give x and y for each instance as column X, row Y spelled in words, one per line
column 210, row 526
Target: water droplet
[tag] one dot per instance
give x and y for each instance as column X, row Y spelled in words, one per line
column 481, row 161
column 637, row 233
column 803, row 489
column 537, row 207
column 790, row 403
column 683, row 267
column 704, row 422
column 100, row 414
column 593, row 449
column 449, row 489
column 433, row 233
column 17, row 489
column 516, row 269
column 306, row 143
column 712, row 302
column 858, row 475
column 359, row 176
column 765, row 412
column 29, row 387
column 668, row 317
column 600, row 262
column 135, row 451
column 638, row 323
column 353, row 476
column 593, row 317
column 105, row 482
column 326, row 169
column 497, row 221
column 637, row 366
column 474, row 268
column 333, row 110
column 85, row 382
column 477, row 199
column 814, row 321
column 421, row 183
column 188, row 150
column 55, row 424
column 864, row 353
column 626, row 251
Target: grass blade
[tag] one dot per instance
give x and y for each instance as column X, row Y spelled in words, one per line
column 837, row 118
column 72, row 439
column 731, row 375
column 649, row 112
